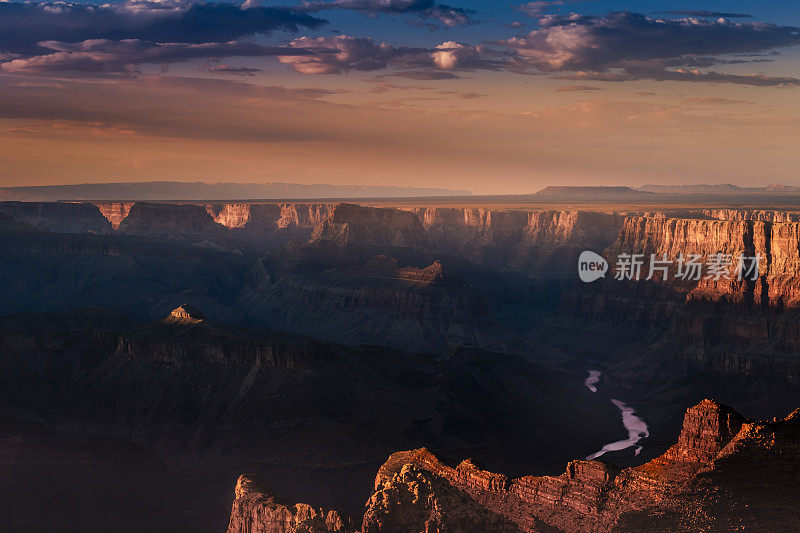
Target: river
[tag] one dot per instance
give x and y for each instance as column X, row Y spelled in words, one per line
column 591, row 381
column 637, row 428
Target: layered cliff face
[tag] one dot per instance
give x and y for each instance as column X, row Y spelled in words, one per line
column 115, row 212
column 760, row 215
column 371, row 226
column 229, row 215
column 271, row 224
column 303, row 215
column 143, row 277
column 378, row 301
column 485, row 236
column 775, row 244
column 58, row 217
column 703, row 482
column 540, row 243
column 168, row 220
column 370, row 275
column 553, row 240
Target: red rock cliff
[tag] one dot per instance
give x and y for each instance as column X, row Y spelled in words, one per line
column 777, row 244
column 535, row 241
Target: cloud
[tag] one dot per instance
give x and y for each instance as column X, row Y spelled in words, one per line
column 436, row 15
column 577, row 88
column 624, row 46
column 24, row 24
column 688, row 75
column 536, row 9
column 711, row 14
column 713, row 101
column 344, row 53
column 232, row 71
column 104, row 56
column 451, row 54
column 423, row 75
column 449, row 17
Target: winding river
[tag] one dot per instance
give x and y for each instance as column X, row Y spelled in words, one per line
column 591, row 381
column 637, row 428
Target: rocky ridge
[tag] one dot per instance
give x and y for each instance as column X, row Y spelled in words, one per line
column 258, row 510
column 710, row 468
column 536, row 241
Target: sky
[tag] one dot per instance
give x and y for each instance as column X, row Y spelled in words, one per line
column 492, row 97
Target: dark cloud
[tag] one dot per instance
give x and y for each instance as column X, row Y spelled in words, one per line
column 343, row 53
column 23, row 25
column 625, row 46
column 433, row 15
column 370, row 6
column 577, row 88
column 232, row 71
column 714, row 14
column 104, row 56
column 426, row 75
column 537, row 9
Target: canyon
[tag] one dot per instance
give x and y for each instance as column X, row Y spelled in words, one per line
column 304, row 342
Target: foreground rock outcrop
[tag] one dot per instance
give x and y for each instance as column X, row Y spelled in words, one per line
column 725, row 473
column 258, row 510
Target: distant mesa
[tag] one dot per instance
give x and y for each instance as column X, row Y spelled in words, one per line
column 591, row 193
column 197, row 191
column 724, row 188
column 185, row 315
column 653, row 192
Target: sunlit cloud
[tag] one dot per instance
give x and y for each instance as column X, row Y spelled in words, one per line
column 627, row 46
